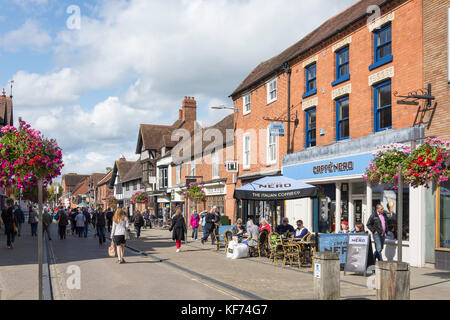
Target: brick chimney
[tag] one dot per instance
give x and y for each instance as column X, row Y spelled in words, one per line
column 189, row 109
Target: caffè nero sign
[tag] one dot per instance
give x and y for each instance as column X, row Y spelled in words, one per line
column 333, row 167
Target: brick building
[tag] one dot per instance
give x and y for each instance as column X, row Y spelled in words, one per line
column 341, row 84
column 69, row 182
column 103, row 190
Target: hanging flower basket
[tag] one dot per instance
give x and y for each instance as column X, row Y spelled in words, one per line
column 430, row 162
column 139, row 197
column 384, row 168
column 195, row 192
column 112, row 201
column 27, row 157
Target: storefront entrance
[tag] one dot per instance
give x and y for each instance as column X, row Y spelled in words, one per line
column 273, row 211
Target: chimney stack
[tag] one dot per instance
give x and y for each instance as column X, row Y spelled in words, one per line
column 189, row 109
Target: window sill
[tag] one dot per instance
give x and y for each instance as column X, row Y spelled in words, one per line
column 384, row 129
column 309, row 93
column 246, row 113
column 381, row 62
column 341, row 80
column 342, row 139
column 270, row 102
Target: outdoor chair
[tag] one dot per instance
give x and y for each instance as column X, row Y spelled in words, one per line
column 263, row 243
column 275, row 246
column 219, row 233
column 227, row 237
column 292, row 252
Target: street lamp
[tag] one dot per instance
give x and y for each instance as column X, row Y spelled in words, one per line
column 224, row 108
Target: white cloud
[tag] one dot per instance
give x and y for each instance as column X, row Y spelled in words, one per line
column 29, row 36
column 167, row 50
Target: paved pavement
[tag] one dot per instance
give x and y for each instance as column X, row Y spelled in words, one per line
column 197, row 272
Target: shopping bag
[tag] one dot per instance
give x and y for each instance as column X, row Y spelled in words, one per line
column 112, row 251
column 240, row 251
column 230, row 248
column 15, row 229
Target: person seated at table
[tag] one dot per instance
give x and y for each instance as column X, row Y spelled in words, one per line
column 301, row 231
column 238, row 230
column 263, row 225
column 285, row 228
column 344, row 227
column 252, row 232
column 359, row 228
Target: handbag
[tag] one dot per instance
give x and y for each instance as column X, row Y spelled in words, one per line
column 112, row 250
column 15, row 228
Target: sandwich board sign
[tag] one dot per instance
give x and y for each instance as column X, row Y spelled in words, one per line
column 359, row 253
column 334, row 242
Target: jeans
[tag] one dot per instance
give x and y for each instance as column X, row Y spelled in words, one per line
column 211, row 232
column 204, row 230
column 85, row 229
column 34, row 229
column 62, row 232
column 194, row 233
column 379, row 244
column 10, row 235
column 46, row 229
column 80, row 231
column 101, row 234
column 138, row 231
column 19, row 228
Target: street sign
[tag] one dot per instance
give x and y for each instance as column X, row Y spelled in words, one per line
column 276, row 129
column 317, row 270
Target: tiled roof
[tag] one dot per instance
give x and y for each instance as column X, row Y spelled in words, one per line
column 151, row 136
column 123, row 167
column 134, row 173
column 81, row 187
column 71, row 180
column 95, row 178
column 105, row 179
column 325, row 31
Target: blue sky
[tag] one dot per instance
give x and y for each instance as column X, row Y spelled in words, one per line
column 133, row 61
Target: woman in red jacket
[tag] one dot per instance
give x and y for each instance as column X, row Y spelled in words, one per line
column 263, row 225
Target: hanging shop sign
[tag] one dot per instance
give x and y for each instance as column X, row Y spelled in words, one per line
column 276, row 129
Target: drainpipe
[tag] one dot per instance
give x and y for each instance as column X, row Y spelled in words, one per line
column 288, row 70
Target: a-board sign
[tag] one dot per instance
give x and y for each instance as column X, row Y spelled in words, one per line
column 358, row 252
column 334, row 242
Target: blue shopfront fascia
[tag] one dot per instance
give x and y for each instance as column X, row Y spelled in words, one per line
column 330, row 168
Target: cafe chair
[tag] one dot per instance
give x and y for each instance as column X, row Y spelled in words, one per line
column 292, row 252
column 227, row 237
column 263, row 243
column 220, row 239
column 275, row 246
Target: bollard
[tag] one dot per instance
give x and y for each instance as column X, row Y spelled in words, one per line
column 393, row 280
column 327, row 273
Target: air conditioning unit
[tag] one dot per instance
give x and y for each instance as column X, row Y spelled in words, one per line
column 234, row 178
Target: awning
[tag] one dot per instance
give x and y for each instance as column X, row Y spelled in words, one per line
column 275, row 188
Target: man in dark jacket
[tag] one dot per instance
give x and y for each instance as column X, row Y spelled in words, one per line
column 9, row 219
column 87, row 216
column 109, row 218
column 20, row 219
column 378, row 225
column 210, row 226
column 47, row 221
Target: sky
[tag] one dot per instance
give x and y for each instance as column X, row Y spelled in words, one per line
column 88, row 73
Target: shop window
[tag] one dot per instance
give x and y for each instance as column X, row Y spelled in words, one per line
column 311, row 128
column 444, row 215
column 217, row 201
column 383, row 106
column 310, row 85
column 342, row 65
column 342, row 119
column 382, row 46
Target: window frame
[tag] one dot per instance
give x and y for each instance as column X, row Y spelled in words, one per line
column 345, row 77
column 246, row 111
column 375, row 105
column 178, row 174
column 307, row 129
column 269, row 99
column 270, row 161
column 339, row 121
column 377, row 61
column 310, row 92
column 163, row 178
column 244, row 151
column 215, row 165
column 193, row 168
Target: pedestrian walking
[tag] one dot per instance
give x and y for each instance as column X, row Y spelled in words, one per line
column 178, row 228
column 47, row 221
column 73, row 223
column 63, row 221
column 92, row 219
column 146, row 216
column 100, row 223
column 194, row 223
column 9, row 220
column 118, row 231
column 203, row 215
column 138, row 223
column 377, row 224
column 210, row 226
column 87, row 221
column 80, row 221
column 33, row 220
column 20, row 219
column 109, row 218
